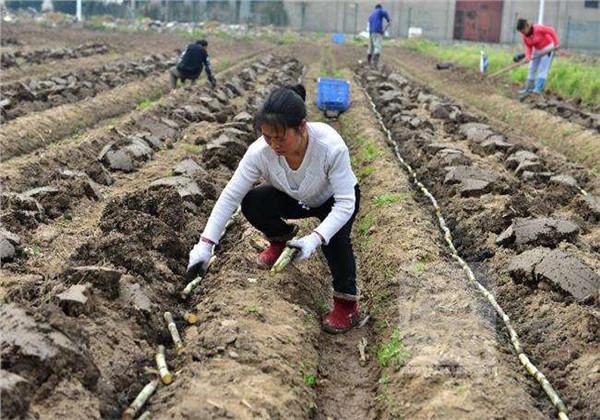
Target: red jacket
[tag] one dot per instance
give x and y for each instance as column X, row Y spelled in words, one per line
column 540, row 38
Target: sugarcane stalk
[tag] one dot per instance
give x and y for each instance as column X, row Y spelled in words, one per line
column 191, row 286
column 362, row 346
column 140, row 400
column 161, row 363
column 145, row 416
column 173, row 330
column 284, row 259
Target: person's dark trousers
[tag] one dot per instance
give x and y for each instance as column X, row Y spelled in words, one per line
column 265, row 207
column 176, row 74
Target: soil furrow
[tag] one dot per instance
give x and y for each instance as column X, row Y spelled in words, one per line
column 487, row 209
column 40, row 130
column 142, row 268
column 517, row 119
column 61, row 204
column 37, row 95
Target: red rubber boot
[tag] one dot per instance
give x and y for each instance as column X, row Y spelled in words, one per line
column 343, row 317
column 269, row 256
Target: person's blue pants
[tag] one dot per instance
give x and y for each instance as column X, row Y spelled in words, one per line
column 540, row 66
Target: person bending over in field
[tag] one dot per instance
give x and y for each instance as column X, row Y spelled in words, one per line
column 540, row 44
column 190, row 65
column 306, row 171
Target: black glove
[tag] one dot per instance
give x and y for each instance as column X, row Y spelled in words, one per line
column 518, row 57
column 213, row 82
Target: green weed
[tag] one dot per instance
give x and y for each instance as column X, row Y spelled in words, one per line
column 369, row 153
column 145, row 104
column 254, row 309
column 568, row 77
column 310, row 380
column 365, row 224
column 394, row 353
column 322, row 306
column 381, row 397
column 192, row 149
column 35, row 250
column 365, row 172
column 389, row 198
column 384, row 380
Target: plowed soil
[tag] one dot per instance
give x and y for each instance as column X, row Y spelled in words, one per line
column 97, row 227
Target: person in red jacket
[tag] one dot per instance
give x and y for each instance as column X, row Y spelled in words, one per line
column 540, row 43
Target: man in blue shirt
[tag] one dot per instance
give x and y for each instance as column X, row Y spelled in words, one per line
column 192, row 62
column 376, row 31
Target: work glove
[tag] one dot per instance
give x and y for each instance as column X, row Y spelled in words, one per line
column 306, row 246
column 518, row 57
column 199, row 258
column 213, row 82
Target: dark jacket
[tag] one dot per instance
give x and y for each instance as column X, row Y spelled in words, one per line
column 193, row 59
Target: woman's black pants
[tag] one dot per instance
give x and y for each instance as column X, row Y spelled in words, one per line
column 266, row 207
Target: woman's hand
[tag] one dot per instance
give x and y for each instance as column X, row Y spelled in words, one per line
column 306, row 245
column 199, row 258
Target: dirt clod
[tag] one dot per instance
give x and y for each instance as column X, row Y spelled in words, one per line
column 39, row 353
column 558, row 268
column 188, row 167
column 105, row 279
column 473, row 181
column 541, row 231
column 76, row 300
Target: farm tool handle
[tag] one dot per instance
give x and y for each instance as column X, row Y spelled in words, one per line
column 507, row 68
column 515, row 65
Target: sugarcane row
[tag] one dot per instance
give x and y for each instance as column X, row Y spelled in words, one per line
column 165, row 376
column 514, row 338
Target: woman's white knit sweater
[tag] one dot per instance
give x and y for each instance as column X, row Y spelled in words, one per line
column 325, row 172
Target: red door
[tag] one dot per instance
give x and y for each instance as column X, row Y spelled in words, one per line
column 478, row 20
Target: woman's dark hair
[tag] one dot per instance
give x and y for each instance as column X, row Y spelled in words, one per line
column 299, row 89
column 521, row 24
column 283, row 108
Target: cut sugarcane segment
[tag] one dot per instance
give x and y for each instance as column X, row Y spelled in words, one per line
column 161, row 363
column 190, row 318
column 191, row 286
column 174, row 333
column 284, row 259
column 140, row 400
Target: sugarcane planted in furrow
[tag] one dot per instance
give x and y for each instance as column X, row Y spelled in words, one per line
column 140, row 400
column 161, row 363
column 174, row 333
column 191, row 286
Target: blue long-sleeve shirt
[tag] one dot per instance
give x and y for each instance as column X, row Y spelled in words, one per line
column 193, row 60
column 376, row 20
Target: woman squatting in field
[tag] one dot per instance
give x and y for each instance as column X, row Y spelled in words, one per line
column 306, row 171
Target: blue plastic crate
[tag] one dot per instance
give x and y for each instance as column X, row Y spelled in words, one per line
column 333, row 94
column 338, row 38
